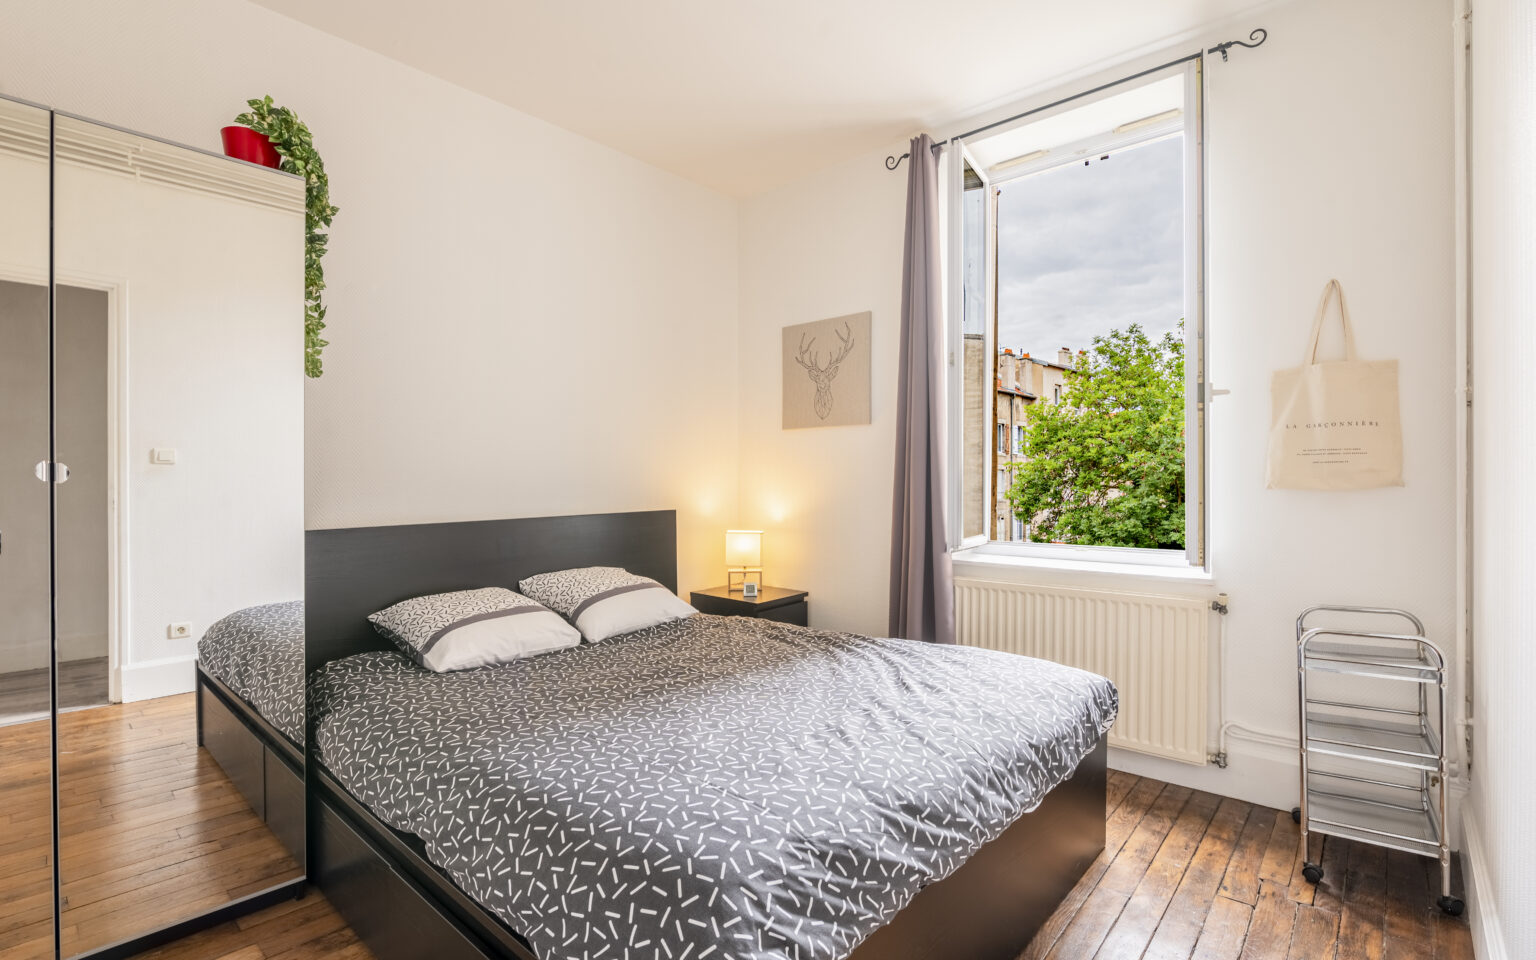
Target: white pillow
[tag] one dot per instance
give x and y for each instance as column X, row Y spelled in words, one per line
column 604, row 602
column 473, row 628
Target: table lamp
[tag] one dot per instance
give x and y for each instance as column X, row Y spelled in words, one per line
column 743, row 558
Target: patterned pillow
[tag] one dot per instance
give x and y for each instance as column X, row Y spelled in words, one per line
column 604, row 602
column 472, row 628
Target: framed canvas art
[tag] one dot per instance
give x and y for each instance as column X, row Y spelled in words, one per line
column 826, row 372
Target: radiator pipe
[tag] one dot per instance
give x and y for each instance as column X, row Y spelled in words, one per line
column 1231, row 728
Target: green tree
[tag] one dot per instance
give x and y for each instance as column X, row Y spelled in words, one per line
column 1106, row 464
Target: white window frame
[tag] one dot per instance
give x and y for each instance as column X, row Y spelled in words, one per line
column 1196, row 554
column 952, row 164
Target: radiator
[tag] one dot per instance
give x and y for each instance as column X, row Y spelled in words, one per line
column 1155, row 648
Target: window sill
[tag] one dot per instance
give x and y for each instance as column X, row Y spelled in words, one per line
column 981, row 561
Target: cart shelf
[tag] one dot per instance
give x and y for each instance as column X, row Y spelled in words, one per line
column 1411, row 745
column 1397, row 828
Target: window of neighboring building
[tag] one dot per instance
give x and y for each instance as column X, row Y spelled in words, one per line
column 1078, row 250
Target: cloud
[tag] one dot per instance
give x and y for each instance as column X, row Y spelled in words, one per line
column 1083, row 250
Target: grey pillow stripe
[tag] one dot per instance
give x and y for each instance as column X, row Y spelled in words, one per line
column 426, row 648
column 598, row 597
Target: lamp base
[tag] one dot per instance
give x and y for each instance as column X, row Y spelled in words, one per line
column 737, row 578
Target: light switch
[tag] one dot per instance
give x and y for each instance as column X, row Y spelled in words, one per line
column 165, row 455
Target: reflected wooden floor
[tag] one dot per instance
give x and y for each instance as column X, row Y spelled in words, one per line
column 307, row 929
column 150, row 829
column 24, row 693
column 1184, row 875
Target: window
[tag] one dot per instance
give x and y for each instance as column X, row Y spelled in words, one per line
column 1076, row 243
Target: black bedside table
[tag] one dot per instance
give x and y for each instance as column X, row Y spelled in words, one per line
column 772, row 603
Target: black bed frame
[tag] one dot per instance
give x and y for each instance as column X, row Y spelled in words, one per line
column 404, row 908
column 263, row 764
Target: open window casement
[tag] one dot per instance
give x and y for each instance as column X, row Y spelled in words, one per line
column 1159, row 107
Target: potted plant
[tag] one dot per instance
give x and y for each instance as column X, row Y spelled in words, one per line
column 243, row 143
column 293, row 150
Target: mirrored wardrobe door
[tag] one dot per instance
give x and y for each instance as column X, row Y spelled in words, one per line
column 26, row 746
column 179, row 532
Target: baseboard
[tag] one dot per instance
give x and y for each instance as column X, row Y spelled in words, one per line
column 1255, row 772
column 158, row 678
column 1482, row 912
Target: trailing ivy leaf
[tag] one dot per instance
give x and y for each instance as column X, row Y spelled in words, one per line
column 295, row 146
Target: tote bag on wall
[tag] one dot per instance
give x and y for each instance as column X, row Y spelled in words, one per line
column 1336, row 422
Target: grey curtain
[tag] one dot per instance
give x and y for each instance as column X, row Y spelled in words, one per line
column 922, row 586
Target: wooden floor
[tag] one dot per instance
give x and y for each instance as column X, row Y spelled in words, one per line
column 1184, row 875
column 24, row 694
column 1188, row 874
column 150, row 829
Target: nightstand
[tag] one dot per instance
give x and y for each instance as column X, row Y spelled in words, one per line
column 772, row 603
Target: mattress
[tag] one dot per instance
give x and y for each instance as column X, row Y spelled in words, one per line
column 714, row 786
column 258, row 653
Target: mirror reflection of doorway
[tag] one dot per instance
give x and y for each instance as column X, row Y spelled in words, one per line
column 83, row 441
column 151, row 827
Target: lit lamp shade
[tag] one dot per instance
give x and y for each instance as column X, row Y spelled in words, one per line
column 743, row 557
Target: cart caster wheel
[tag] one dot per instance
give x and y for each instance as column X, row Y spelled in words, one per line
column 1452, row 905
column 1296, row 814
column 1314, row 873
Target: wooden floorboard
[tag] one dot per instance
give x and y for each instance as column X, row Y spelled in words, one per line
column 150, row 829
column 1185, row 876
column 1189, row 875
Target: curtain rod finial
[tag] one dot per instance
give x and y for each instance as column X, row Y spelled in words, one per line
column 892, row 162
column 1258, row 36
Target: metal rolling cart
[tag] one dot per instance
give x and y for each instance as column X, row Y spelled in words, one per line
column 1401, row 803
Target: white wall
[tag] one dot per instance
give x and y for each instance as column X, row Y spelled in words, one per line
column 1501, row 833
column 1329, row 154
column 192, row 348
column 504, row 296
column 827, row 246
column 208, row 371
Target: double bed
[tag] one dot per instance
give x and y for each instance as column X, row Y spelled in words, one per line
column 709, row 786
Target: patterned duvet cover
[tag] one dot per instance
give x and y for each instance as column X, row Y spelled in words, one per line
column 711, row 787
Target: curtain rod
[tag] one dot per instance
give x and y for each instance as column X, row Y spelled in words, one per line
column 1258, row 36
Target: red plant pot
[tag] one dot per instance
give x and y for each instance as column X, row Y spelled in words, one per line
column 243, row 143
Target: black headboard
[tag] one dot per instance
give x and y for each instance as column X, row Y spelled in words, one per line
column 351, row 573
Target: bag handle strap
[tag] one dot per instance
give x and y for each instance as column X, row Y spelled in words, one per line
column 1329, row 290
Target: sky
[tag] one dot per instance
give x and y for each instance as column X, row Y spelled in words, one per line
column 1082, row 250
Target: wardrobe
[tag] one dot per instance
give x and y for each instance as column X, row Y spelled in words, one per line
column 151, row 484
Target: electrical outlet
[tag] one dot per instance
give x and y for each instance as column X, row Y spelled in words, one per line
column 179, row 631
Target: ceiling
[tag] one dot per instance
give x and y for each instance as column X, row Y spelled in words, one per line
column 743, row 95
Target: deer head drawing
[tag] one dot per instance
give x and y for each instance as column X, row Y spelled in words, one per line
column 820, row 375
